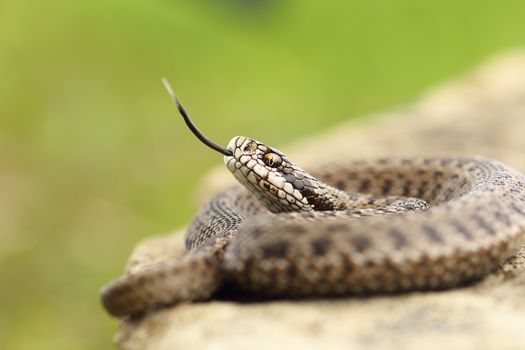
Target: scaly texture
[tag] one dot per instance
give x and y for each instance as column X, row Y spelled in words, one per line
column 375, row 226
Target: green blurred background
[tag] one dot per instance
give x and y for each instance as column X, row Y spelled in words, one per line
column 93, row 155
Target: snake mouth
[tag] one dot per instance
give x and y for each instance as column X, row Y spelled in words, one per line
column 231, row 145
column 230, row 149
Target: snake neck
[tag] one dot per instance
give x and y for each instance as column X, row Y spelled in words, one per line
column 307, row 194
column 327, row 198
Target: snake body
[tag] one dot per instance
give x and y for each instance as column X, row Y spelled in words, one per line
column 355, row 227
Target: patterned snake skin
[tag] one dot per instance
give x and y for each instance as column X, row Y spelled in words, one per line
column 360, row 227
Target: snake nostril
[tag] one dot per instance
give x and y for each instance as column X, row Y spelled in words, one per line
column 249, row 147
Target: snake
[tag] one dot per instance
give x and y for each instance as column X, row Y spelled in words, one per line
column 350, row 227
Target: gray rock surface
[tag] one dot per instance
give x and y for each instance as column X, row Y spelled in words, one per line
column 482, row 113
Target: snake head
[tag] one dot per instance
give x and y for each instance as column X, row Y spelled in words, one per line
column 266, row 172
column 278, row 183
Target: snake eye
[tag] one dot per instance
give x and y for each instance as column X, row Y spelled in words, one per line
column 272, row 160
column 249, row 147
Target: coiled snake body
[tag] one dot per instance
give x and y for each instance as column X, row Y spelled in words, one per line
column 360, row 227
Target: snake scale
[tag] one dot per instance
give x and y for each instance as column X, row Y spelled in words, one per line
column 354, row 227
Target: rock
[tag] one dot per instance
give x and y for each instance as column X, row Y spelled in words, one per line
column 480, row 114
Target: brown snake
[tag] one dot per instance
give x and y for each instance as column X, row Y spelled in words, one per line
column 356, row 227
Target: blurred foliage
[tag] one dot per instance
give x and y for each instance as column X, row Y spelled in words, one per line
column 93, row 155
